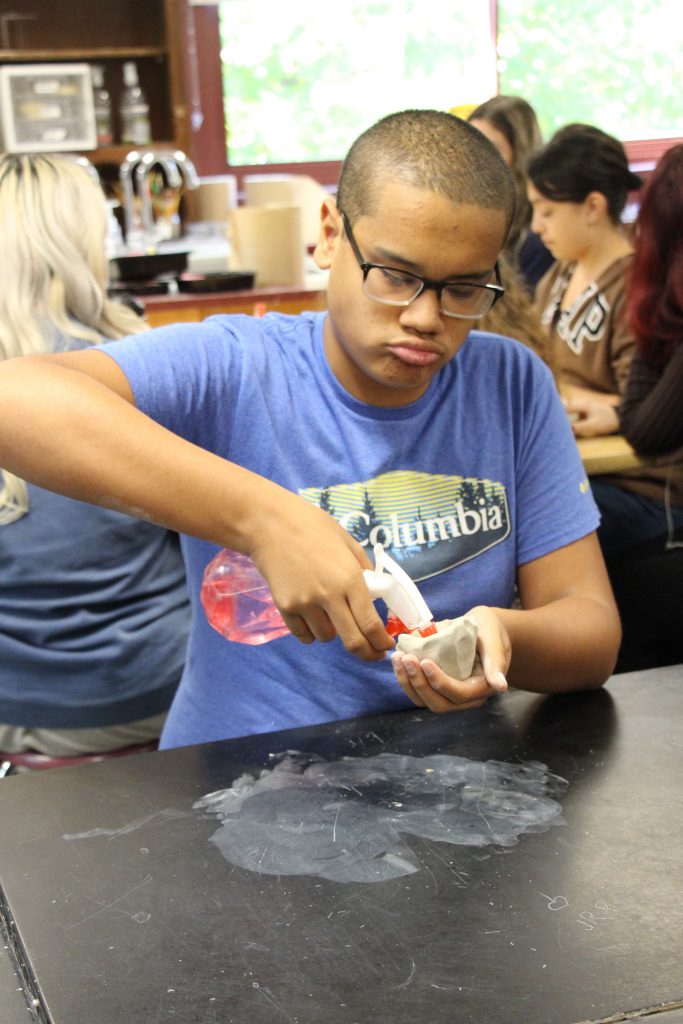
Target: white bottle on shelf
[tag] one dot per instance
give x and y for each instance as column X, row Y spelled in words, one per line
column 102, row 103
column 134, row 109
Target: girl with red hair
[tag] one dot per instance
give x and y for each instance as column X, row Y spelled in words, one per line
column 650, row 414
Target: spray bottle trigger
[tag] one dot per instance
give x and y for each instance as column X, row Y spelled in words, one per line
column 408, row 609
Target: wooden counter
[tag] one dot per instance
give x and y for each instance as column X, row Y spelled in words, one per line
column 610, row 454
column 189, row 308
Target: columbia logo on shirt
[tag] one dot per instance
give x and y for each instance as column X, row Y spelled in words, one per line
column 427, row 522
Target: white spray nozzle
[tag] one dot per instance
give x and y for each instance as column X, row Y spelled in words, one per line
column 401, row 596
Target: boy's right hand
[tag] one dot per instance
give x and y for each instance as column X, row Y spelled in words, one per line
column 315, row 572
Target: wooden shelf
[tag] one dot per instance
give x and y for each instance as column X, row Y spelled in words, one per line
column 98, row 31
column 82, row 53
column 116, row 153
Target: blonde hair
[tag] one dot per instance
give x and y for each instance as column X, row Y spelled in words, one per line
column 516, row 120
column 516, row 316
column 53, row 284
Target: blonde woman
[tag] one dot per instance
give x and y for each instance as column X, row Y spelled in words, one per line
column 93, row 604
column 510, row 123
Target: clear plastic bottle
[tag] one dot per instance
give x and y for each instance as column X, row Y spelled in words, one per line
column 239, row 605
column 102, row 102
column 134, row 109
column 237, row 600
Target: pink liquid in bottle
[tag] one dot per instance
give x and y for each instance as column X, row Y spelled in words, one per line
column 238, row 602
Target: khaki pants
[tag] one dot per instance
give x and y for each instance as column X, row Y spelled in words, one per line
column 14, row 739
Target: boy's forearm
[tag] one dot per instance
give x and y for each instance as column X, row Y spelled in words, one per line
column 69, row 433
column 570, row 644
column 73, row 434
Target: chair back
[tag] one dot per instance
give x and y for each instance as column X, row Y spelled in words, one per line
column 33, row 761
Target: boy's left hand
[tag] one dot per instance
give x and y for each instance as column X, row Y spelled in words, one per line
column 427, row 685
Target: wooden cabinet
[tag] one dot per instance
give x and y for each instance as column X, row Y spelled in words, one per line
column 174, row 309
column 108, row 32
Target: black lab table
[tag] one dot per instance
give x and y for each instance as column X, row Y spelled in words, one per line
column 13, row 1009
column 119, row 907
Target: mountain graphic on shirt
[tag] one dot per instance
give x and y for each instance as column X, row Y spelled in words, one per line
column 427, row 522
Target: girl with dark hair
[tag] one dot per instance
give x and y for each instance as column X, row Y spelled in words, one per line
column 578, row 186
column 650, row 414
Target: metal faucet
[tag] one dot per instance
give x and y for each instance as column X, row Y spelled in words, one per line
column 133, row 227
column 134, row 175
column 188, row 168
column 147, row 161
column 173, row 161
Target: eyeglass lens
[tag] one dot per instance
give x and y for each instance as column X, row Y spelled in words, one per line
column 396, row 287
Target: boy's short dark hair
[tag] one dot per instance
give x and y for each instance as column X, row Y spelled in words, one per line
column 426, row 149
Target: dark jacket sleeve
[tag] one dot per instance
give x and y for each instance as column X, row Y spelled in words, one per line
column 533, row 259
column 651, row 412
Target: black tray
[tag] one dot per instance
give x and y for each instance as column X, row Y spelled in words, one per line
column 161, row 286
column 143, row 266
column 228, row 281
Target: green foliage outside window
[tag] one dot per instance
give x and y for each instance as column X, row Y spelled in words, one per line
column 303, row 78
column 616, row 64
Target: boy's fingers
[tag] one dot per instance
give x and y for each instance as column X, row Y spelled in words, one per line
column 359, row 626
column 428, row 686
column 404, row 681
column 493, row 672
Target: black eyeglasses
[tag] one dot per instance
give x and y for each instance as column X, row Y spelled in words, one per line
column 464, row 300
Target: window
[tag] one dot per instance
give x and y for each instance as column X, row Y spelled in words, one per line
column 615, row 64
column 301, row 79
column 301, row 83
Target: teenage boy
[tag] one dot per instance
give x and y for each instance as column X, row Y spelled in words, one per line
column 302, row 441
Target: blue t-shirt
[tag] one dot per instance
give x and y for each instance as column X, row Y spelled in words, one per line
column 478, row 476
column 94, row 616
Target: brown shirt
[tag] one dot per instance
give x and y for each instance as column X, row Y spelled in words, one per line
column 591, row 344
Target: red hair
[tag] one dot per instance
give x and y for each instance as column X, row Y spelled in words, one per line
column 655, row 293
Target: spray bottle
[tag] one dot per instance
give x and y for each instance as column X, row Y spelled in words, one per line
column 238, row 602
